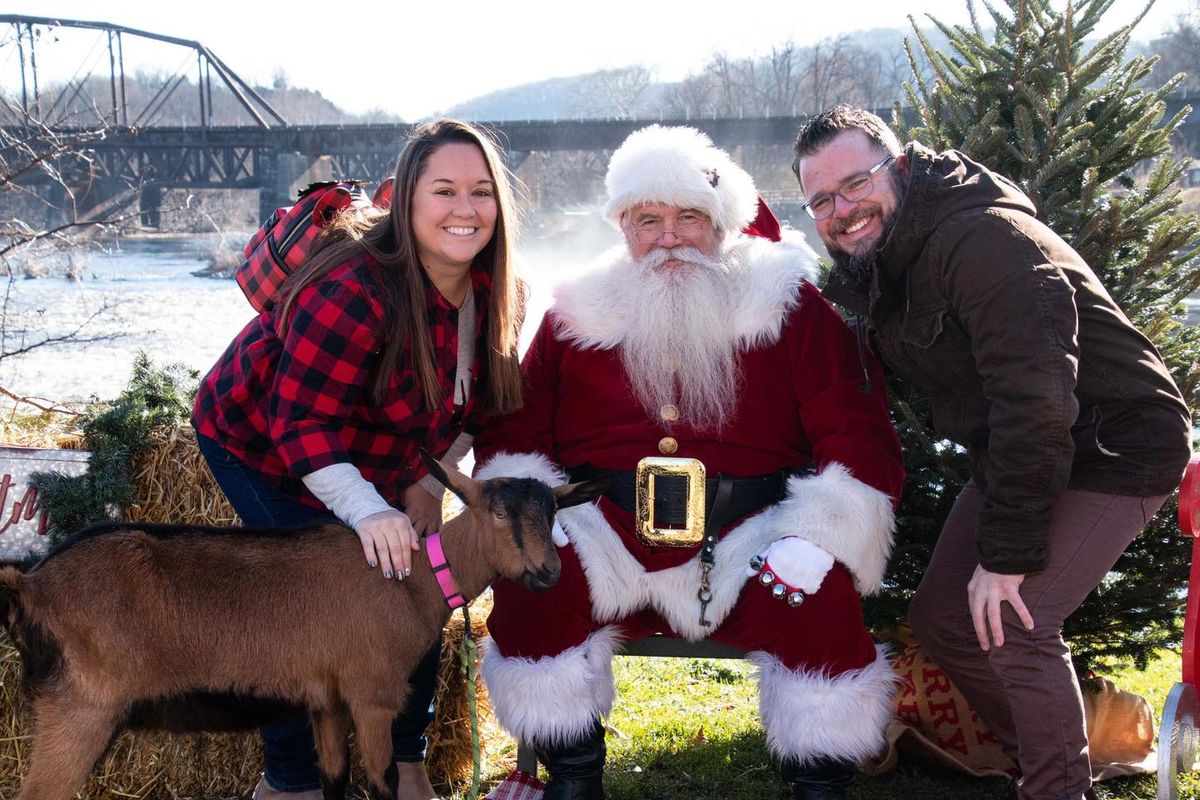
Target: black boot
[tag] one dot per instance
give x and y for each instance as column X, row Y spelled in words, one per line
column 822, row 779
column 576, row 769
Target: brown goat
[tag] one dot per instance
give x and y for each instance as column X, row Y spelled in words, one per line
column 189, row 628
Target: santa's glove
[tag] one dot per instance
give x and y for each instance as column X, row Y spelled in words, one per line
column 559, row 535
column 791, row 568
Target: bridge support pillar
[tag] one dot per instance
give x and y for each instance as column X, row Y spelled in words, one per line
column 150, row 206
column 283, row 175
column 516, row 158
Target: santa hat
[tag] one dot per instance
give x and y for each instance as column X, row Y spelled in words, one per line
column 680, row 167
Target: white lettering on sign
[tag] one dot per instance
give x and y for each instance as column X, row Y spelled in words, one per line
column 23, row 523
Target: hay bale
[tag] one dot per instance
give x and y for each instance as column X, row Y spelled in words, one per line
column 137, row 766
column 175, row 485
column 47, row 430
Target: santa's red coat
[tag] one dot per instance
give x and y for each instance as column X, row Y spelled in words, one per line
column 808, row 402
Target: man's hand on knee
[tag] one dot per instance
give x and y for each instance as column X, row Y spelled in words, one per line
column 985, row 592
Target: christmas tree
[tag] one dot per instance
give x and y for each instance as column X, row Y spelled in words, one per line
column 1034, row 96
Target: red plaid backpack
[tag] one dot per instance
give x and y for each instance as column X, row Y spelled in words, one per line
column 287, row 237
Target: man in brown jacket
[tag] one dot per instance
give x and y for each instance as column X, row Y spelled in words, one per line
column 1074, row 427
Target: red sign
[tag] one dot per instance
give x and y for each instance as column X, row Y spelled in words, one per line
column 23, row 524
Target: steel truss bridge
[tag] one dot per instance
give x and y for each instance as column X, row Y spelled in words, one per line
column 272, row 160
column 263, row 152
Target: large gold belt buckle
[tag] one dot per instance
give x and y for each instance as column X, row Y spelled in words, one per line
column 693, row 531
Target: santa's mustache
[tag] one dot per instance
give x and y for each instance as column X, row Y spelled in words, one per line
column 689, row 255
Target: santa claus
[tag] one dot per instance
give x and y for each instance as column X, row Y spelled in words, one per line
column 753, row 474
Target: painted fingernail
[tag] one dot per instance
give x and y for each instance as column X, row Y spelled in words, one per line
column 387, row 573
column 407, row 571
column 373, row 564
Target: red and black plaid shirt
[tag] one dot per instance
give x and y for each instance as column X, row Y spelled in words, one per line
column 289, row 403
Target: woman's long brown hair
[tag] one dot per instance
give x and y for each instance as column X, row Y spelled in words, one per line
column 388, row 237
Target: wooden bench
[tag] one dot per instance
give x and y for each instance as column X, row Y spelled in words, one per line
column 651, row 646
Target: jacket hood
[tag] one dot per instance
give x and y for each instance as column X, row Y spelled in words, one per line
column 941, row 186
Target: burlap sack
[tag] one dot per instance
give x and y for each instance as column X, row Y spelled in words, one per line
column 933, row 721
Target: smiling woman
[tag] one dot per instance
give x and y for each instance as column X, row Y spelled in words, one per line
column 454, row 216
column 373, row 351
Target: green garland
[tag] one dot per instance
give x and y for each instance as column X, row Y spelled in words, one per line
column 115, row 433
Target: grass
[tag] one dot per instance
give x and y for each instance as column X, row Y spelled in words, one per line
column 687, row 729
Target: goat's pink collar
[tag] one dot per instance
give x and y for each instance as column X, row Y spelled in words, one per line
column 441, row 571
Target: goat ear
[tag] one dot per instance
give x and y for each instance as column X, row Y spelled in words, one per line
column 465, row 488
column 573, row 494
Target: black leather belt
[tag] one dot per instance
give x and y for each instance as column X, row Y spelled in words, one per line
column 726, row 498
column 747, row 495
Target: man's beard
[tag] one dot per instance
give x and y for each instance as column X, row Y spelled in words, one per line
column 680, row 319
column 861, row 263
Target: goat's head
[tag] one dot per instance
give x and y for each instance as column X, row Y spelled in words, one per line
column 517, row 514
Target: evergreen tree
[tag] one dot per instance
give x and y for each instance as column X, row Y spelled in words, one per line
column 116, row 433
column 1067, row 120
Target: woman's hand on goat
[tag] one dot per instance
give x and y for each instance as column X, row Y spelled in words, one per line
column 388, row 539
column 423, row 509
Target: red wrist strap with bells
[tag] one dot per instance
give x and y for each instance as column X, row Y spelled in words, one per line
column 441, row 571
column 779, row 588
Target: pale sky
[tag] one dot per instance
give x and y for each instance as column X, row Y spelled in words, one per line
column 419, row 57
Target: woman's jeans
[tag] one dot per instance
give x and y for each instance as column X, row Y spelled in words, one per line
column 288, row 750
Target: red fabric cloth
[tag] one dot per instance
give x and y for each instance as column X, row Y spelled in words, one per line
column 518, row 786
column 290, row 403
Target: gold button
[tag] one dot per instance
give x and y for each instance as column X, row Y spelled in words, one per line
column 667, row 445
column 669, row 412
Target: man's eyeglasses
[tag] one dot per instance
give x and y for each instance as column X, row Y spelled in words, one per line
column 856, row 188
column 687, row 225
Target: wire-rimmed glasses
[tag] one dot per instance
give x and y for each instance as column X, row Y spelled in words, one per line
column 856, row 187
column 688, row 224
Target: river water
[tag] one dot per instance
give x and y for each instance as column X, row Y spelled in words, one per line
column 159, row 306
column 156, row 304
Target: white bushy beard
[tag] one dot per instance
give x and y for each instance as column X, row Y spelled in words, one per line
column 681, row 316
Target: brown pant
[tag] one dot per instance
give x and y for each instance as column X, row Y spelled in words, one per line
column 1025, row 691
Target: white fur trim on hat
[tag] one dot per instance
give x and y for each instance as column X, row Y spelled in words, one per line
column 680, row 167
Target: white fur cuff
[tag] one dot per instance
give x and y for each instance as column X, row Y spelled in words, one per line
column 808, row 715
column 846, row 517
column 555, row 699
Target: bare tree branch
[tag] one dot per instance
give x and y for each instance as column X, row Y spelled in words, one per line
column 53, row 408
